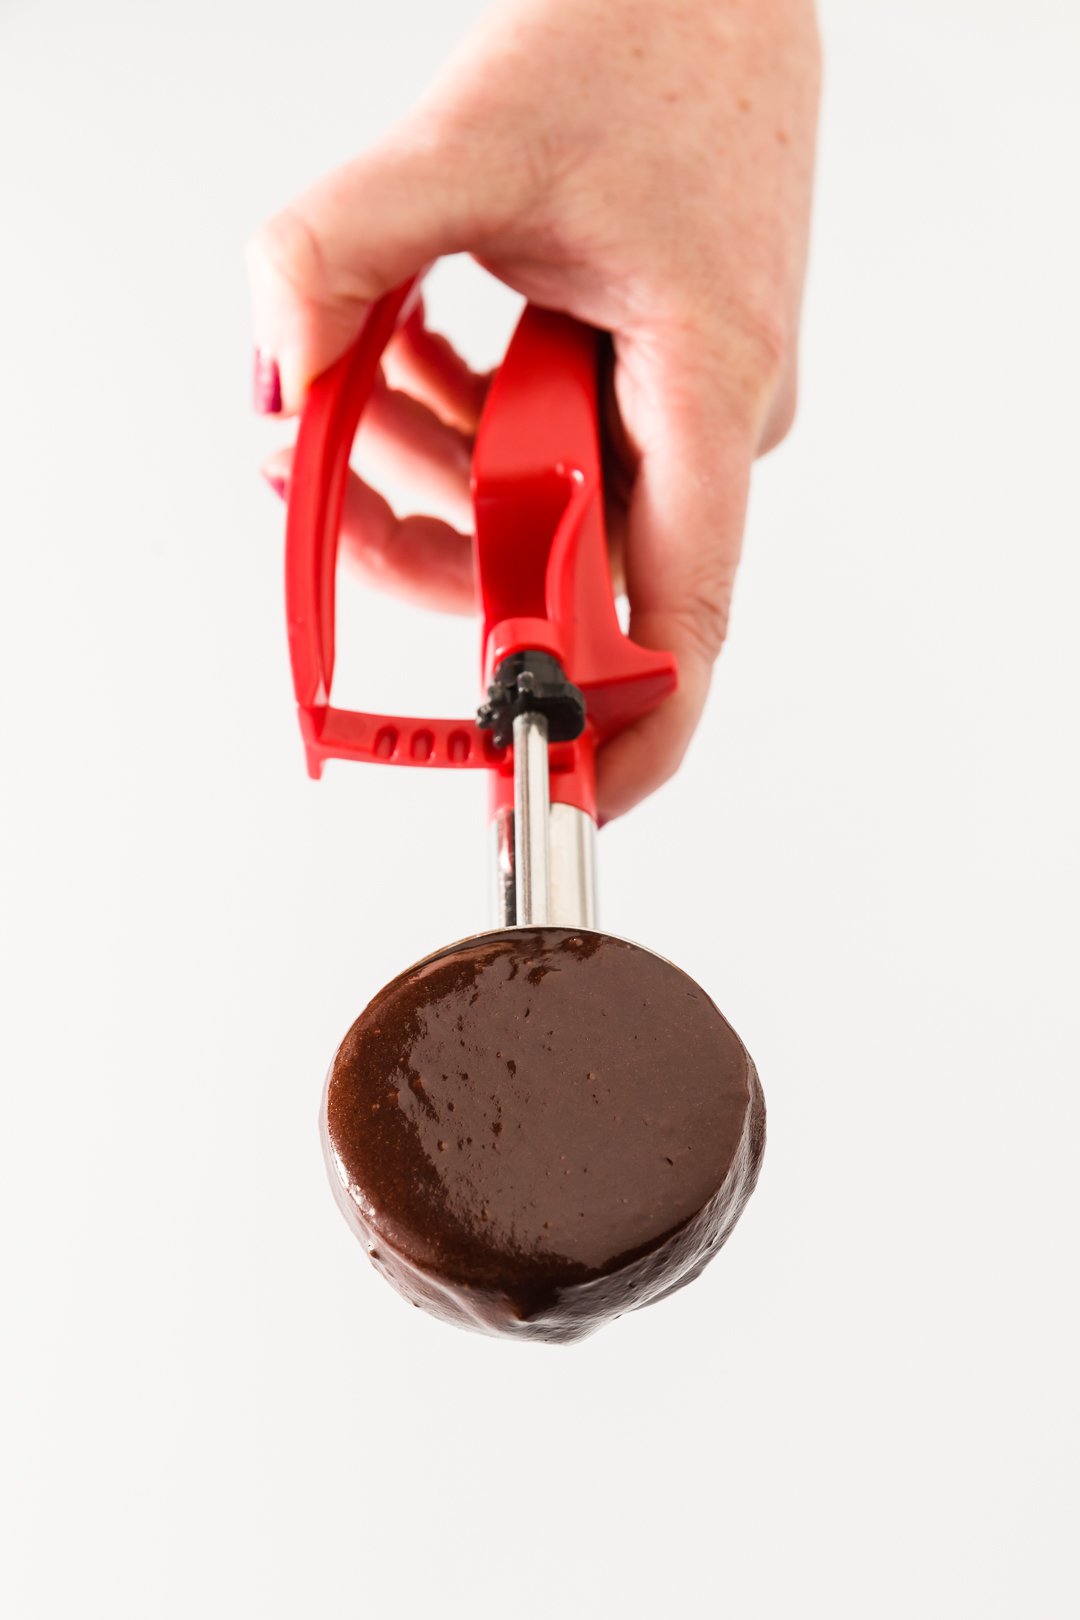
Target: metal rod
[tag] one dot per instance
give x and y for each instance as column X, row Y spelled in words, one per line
column 572, row 879
column 504, row 898
column 532, row 818
column 571, row 868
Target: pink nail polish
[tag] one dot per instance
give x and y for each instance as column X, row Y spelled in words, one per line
column 267, row 385
column 278, row 485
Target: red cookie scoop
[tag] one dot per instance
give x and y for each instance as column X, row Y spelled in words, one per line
column 543, row 1126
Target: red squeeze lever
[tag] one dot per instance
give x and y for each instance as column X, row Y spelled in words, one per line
column 541, row 556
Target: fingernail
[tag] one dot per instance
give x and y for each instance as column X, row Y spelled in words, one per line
column 277, row 484
column 267, row 385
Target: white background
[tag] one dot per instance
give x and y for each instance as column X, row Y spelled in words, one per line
column 867, row 1408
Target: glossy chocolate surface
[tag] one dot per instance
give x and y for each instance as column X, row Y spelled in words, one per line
column 538, row 1129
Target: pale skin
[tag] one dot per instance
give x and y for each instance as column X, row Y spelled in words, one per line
column 645, row 165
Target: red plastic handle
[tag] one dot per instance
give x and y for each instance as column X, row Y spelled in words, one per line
column 541, row 554
column 316, row 492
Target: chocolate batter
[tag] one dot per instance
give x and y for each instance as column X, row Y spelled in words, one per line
column 541, row 1128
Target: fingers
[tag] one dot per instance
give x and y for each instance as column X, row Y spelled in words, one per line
column 695, row 436
column 316, row 267
column 410, row 445
column 418, row 557
column 426, row 365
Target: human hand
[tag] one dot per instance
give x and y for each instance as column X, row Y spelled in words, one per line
column 644, row 165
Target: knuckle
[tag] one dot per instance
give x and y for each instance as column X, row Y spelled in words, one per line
column 743, row 358
column 289, row 250
column 287, row 246
column 755, row 349
column 763, row 341
column 703, row 619
column 782, row 416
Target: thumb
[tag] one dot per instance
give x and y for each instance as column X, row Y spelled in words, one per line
column 694, row 412
column 317, row 266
